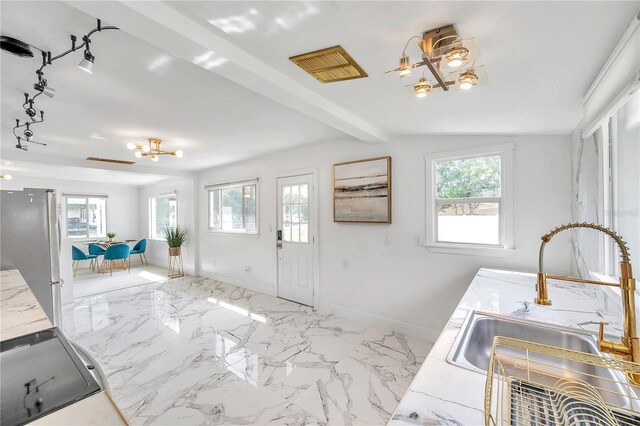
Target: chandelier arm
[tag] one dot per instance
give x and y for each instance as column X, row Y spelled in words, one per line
column 443, row 38
column 404, row 51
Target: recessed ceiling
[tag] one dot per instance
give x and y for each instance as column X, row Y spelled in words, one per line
column 137, row 91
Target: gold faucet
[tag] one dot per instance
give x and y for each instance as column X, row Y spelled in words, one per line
column 628, row 347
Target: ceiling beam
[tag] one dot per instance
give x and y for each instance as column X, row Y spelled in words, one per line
column 33, row 157
column 192, row 38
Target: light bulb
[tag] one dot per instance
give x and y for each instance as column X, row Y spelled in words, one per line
column 146, row 148
column 179, row 153
column 138, row 154
column 405, row 66
column 7, row 177
column 456, row 56
column 154, row 158
column 467, row 79
column 131, row 145
column 422, row 88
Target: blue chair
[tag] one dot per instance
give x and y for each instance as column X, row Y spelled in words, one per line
column 78, row 255
column 117, row 257
column 140, row 248
column 96, row 249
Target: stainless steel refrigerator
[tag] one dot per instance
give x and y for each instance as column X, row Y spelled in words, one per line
column 30, row 242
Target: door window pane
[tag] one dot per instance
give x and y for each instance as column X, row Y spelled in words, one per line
column 295, row 213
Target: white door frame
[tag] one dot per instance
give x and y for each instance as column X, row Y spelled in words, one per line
column 314, row 230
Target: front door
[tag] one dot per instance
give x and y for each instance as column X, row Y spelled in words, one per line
column 296, row 239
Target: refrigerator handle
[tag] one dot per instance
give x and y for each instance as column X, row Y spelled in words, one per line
column 54, row 252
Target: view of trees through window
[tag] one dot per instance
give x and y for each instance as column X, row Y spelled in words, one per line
column 233, row 208
column 468, row 200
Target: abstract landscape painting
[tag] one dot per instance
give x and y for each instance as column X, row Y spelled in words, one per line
column 362, row 191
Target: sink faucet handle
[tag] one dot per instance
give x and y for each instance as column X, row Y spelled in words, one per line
column 609, row 346
column 601, row 332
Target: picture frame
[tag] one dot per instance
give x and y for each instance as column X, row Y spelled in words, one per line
column 362, row 191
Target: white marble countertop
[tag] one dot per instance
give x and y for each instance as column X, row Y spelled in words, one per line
column 445, row 394
column 20, row 314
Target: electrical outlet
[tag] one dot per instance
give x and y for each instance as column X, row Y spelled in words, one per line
column 345, row 264
column 387, row 240
column 247, row 269
column 418, row 239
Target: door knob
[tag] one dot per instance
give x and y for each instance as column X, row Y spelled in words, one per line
column 279, row 244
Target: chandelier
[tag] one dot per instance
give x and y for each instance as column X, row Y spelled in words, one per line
column 450, row 60
column 152, row 149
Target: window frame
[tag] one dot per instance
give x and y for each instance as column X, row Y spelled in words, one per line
column 85, row 237
column 505, row 201
column 238, row 184
column 151, row 213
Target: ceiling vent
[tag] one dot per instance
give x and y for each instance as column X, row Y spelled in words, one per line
column 110, row 160
column 329, row 65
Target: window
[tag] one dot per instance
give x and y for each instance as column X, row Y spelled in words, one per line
column 469, row 197
column 233, row 207
column 295, row 213
column 163, row 214
column 86, row 216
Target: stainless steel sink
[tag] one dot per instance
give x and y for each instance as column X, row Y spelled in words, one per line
column 473, row 346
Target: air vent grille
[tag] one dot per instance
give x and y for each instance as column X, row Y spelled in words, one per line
column 110, row 160
column 329, row 65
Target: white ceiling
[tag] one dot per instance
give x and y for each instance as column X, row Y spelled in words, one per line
column 540, row 58
column 22, row 171
column 137, row 91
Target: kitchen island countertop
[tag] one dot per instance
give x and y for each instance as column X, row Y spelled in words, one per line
column 20, row 314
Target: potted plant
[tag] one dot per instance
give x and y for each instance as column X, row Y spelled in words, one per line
column 111, row 235
column 175, row 236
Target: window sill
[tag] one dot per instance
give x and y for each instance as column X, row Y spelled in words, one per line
column 471, row 250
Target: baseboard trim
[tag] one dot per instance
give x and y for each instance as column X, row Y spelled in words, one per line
column 260, row 288
column 410, row 329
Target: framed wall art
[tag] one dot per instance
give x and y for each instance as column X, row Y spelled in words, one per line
column 362, row 191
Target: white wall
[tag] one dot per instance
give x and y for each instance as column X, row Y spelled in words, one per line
column 401, row 284
column 122, row 215
column 157, row 251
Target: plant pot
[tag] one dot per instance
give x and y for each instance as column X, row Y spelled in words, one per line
column 175, row 251
column 110, row 240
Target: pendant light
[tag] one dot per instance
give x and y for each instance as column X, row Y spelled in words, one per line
column 152, row 149
column 422, row 88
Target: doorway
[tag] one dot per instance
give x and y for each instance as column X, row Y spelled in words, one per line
column 296, row 238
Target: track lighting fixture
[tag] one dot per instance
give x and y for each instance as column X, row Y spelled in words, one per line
column 442, row 48
column 86, row 64
column 15, row 46
column 6, row 177
column 152, row 149
column 20, row 48
column 468, row 79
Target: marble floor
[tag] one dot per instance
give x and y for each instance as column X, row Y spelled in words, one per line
column 88, row 282
column 197, row 351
